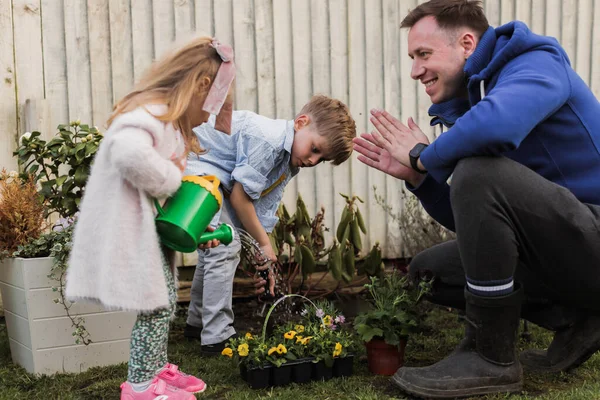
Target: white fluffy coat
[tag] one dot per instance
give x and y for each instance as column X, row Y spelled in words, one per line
column 116, row 259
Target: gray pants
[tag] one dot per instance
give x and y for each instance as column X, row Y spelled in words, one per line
column 512, row 222
column 212, row 289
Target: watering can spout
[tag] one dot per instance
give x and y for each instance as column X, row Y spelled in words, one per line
column 224, row 233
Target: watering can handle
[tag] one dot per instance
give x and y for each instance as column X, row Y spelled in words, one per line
column 160, row 210
column 212, row 178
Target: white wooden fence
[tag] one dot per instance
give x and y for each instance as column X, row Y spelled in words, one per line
column 73, row 58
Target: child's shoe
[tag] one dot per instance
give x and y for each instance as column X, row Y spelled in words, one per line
column 158, row 389
column 173, row 376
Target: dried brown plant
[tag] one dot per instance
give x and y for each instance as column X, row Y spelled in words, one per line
column 418, row 230
column 21, row 211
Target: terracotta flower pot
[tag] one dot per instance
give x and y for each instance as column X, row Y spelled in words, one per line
column 385, row 359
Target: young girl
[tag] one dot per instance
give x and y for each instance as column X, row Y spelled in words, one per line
column 117, row 259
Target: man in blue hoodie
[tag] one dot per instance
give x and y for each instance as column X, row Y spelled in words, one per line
column 521, row 153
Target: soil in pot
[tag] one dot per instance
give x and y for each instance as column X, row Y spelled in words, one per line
column 385, row 359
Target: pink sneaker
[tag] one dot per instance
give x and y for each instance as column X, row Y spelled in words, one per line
column 173, row 376
column 158, row 390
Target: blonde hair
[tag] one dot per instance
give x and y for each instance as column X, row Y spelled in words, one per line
column 175, row 80
column 332, row 120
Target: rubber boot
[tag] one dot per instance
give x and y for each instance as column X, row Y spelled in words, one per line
column 487, row 365
column 572, row 346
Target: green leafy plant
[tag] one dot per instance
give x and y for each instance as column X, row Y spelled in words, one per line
column 394, row 314
column 60, row 169
column 299, row 241
column 60, row 166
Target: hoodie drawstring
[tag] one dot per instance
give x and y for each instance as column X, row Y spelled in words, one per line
column 482, row 89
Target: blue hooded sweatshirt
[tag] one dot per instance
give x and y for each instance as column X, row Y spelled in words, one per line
column 525, row 102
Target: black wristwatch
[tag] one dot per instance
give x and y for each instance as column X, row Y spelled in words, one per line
column 414, row 155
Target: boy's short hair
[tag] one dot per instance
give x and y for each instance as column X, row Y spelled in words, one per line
column 333, row 121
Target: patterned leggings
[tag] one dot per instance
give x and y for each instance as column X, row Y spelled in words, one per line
column 150, row 337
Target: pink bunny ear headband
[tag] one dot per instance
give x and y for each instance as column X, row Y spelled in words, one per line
column 225, row 75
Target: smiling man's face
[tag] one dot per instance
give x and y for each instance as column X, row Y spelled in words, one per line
column 438, row 60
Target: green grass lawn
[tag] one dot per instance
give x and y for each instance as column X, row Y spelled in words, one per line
column 441, row 333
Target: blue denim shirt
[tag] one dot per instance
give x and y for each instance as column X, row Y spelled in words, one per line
column 256, row 154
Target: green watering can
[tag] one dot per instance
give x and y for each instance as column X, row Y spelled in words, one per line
column 182, row 221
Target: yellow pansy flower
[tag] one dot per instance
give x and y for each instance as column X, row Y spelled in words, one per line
column 289, row 335
column 338, row 350
column 243, row 349
column 281, row 349
column 272, row 350
column 227, row 352
column 327, row 320
column 306, row 340
column 249, row 336
column 299, row 328
column 299, row 339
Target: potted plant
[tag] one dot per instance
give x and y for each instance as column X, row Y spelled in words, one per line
column 385, row 328
column 48, row 334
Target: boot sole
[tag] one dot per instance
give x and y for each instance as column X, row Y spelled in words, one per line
column 567, row 364
column 427, row 393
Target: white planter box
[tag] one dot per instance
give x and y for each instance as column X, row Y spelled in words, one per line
column 39, row 331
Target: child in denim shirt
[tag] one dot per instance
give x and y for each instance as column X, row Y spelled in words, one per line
column 254, row 164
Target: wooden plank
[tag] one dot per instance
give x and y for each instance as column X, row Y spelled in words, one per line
column 243, row 37
column 569, row 30
column 223, row 22
column 100, row 60
column 338, row 31
column 492, row 12
column 163, row 17
column 358, row 94
column 595, row 51
column 408, row 90
column 203, row 12
column 321, row 83
column 301, row 44
column 78, row 60
column 284, row 89
column 121, row 48
column 523, row 11
column 8, row 100
column 374, row 39
column 507, row 11
column 142, row 32
column 29, row 63
column 55, row 58
column 265, row 57
column 97, row 325
column 538, row 16
column 553, row 16
column 585, row 11
column 184, row 19
column 392, row 45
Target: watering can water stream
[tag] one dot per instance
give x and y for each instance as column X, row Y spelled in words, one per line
column 182, row 221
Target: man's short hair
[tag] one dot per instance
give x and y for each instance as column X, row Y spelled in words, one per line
column 450, row 15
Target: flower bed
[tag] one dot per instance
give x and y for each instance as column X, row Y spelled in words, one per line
column 319, row 347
